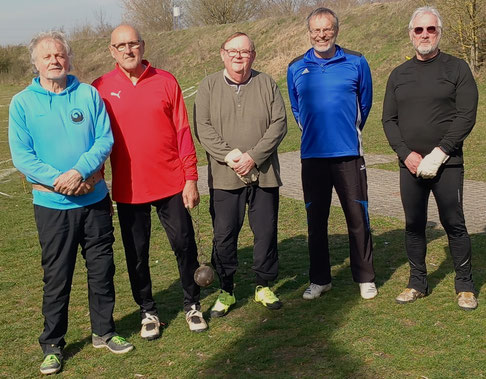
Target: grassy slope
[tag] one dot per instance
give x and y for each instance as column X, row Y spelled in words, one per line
column 379, row 31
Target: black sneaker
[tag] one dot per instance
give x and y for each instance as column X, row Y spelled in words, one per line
column 51, row 364
column 115, row 344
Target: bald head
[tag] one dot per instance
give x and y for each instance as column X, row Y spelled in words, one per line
column 124, row 29
column 127, row 48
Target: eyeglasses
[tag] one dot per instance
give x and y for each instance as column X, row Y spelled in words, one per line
column 430, row 29
column 122, row 46
column 327, row 31
column 243, row 53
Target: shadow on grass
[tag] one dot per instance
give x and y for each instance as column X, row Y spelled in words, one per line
column 298, row 339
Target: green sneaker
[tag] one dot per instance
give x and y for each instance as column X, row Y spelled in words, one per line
column 51, row 364
column 222, row 304
column 115, row 344
column 265, row 296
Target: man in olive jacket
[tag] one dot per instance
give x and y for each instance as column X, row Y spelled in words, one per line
column 240, row 119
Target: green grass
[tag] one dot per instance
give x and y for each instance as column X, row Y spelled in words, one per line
column 339, row 335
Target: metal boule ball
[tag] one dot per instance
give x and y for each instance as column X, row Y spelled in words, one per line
column 204, row 275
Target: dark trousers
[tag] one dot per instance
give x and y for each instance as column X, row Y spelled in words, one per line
column 227, row 208
column 348, row 176
column 60, row 233
column 447, row 188
column 135, row 225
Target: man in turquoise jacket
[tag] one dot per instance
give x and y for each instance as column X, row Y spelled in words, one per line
column 60, row 136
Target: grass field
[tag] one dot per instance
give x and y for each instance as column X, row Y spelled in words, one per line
column 337, row 336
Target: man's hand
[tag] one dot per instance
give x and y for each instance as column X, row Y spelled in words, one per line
column 83, row 189
column 431, row 163
column 68, row 182
column 190, row 194
column 412, row 162
column 244, row 164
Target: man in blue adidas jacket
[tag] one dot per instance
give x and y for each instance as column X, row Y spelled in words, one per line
column 330, row 93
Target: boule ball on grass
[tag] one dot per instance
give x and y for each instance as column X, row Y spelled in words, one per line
column 204, row 275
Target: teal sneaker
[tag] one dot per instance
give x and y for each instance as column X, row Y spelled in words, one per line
column 51, row 364
column 222, row 304
column 115, row 344
column 265, row 296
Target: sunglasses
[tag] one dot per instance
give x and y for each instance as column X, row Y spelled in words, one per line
column 430, row 29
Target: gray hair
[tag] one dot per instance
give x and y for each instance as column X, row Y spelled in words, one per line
column 235, row 35
column 54, row 35
column 320, row 12
column 426, row 9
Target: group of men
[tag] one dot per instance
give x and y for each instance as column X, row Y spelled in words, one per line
column 62, row 131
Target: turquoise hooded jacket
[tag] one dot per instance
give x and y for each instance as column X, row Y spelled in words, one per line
column 51, row 133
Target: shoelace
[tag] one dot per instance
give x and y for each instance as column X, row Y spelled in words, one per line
column 149, row 319
column 224, row 298
column 119, row 340
column 268, row 294
column 193, row 313
column 50, row 359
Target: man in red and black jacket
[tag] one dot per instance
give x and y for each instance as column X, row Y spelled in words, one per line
column 154, row 164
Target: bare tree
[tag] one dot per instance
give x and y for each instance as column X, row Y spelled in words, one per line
column 467, row 23
column 280, row 7
column 153, row 15
column 207, row 12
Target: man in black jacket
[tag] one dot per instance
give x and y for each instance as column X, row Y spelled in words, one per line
column 429, row 109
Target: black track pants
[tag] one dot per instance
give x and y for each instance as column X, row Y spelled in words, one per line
column 447, row 188
column 60, row 234
column 348, row 176
column 227, row 208
column 135, row 224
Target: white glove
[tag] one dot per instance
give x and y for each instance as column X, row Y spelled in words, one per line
column 431, row 163
column 229, row 159
column 249, row 178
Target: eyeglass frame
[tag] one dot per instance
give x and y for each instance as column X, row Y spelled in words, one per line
column 433, row 29
column 326, row 31
column 240, row 52
column 133, row 45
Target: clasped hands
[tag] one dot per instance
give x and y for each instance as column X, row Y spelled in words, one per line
column 243, row 165
column 428, row 166
column 71, row 183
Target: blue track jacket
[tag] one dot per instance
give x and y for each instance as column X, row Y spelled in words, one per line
column 52, row 133
column 330, row 100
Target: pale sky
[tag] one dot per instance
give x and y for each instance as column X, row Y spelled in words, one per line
column 20, row 20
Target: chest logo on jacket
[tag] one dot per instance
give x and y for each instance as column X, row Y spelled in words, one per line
column 77, row 116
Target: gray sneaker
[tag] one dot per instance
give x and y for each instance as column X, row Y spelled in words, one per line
column 115, row 343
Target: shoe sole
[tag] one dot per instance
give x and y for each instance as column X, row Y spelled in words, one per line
column 468, row 308
column 198, row 330
column 273, row 306
column 408, row 301
column 369, row 297
column 218, row 314
column 150, row 338
column 50, row 371
column 114, row 351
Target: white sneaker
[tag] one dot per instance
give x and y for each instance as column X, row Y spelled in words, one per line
column 315, row 290
column 150, row 327
column 368, row 290
column 195, row 320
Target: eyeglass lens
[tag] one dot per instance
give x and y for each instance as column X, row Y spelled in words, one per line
column 430, row 29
